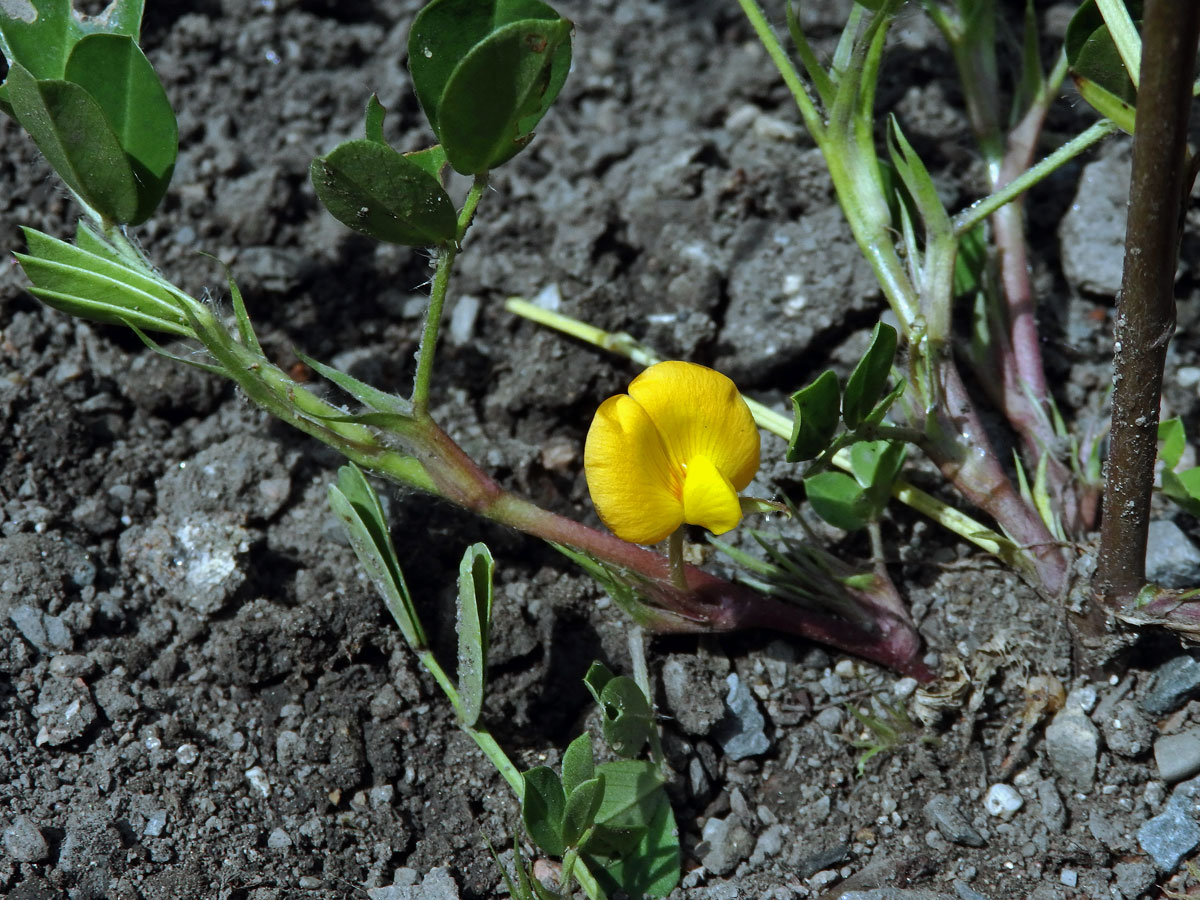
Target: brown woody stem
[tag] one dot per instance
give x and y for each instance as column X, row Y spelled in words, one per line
column 1146, row 305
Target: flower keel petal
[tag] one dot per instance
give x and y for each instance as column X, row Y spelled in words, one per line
column 709, row 499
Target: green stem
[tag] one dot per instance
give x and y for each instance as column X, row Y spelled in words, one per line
column 791, row 77
column 437, row 298
column 981, row 209
column 641, row 675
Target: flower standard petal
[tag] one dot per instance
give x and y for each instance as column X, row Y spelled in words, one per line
column 634, row 487
column 709, row 499
column 699, row 412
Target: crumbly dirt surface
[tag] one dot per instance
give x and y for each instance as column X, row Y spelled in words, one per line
column 201, row 697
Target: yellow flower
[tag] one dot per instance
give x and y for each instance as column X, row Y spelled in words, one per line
column 677, row 448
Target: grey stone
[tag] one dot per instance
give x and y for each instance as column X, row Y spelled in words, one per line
column 23, row 841
column 1127, row 732
column 112, row 693
column 65, row 711
column 1092, row 233
column 894, row 894
column 768, row 845
column 943, row 814
column 965, row 891
column 1174, row 683
column 1109, row 833
column 741, row 733
column 1054, row 814
column 831, row 719
column 71, row 665
column 698, row 781
column 1073, row 744
column 1172, row 560
column 1133, row 878
column 278, row 840
column 691, row 696
column 724, row 844
column 439, row 884
column 1178, row 755
column 198, row 559
column 47, row 633
column 1169, row 837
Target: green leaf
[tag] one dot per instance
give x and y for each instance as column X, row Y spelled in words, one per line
column 632, row 793
column 375, row 190
column 1033, row 79
column 970, row 263
column 875, row 465
column 431, row 159
column 598, row 675
column 357, row 506
column 917, row 180
column 578, row 763
column 524, row 887
column 839, row 500
column 445, row 31
column 869, row 379
column 628, row 720
column 39, row 34
column 115, row 72
column 580, row 812
column 650, row 869
column 474, row 628
column 542, row 809
column 373, row 126
column 1173, row 440
column 816, row 72
column 98, row 286
column 500, row 91
column 634, row 848
column 70, row 129
column 816, row 408
column 1184, row 488
column 1097, row 66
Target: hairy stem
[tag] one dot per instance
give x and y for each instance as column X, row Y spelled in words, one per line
column 437, row 298
column 1146, row 305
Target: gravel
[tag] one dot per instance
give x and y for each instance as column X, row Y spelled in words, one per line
column 741, row 733
column 1174, row 683
column 23, row 841
column 1073, row 744
column 944, row 814
column 1178, row 755
column 725, row 843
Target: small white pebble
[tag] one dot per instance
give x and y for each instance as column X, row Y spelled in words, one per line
column 1069, row 877
column 187, row 754
column 258, row 780
column 846, row 668
column 905, row 688
column 1002, row 801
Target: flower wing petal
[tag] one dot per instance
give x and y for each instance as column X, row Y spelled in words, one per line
column 709, row 499
column 699, row 412
column 633, row 485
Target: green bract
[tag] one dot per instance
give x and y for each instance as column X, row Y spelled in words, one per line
column 485, row 72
